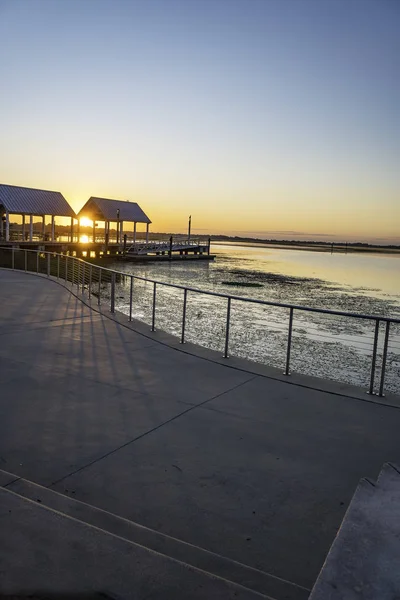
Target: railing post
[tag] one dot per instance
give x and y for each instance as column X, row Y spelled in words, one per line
column 58, row 266
column 78, row 267
column 184, row 316
column 48, row 264
column 153, row 320
column 228, row 317
column 98, row 297
column 90, row 280
column 83, row 277
column 130, row 299
column 384, row 357
column 289, row 343
column 66, row 269
column 37, row 261
column 26, row 260
column 374, row 352
column 112, row 306
column 12, row 258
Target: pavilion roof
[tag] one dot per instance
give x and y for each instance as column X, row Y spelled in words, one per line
column 30, row 201
column 105, row 209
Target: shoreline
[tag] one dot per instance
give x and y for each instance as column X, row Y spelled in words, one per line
column 336, row 249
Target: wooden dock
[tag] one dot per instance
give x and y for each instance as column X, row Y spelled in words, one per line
column 138, row 251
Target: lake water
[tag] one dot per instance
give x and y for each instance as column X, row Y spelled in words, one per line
column 326, row 346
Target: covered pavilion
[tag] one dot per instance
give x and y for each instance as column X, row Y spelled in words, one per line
column 114, row 211
column 29, row 202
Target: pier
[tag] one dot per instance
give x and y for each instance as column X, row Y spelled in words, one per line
column 129, row 461
column 118, row 238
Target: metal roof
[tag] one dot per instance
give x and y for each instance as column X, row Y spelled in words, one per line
column 104, row 209
column 29, row 201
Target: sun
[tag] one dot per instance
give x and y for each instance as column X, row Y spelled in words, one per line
column 85, row 222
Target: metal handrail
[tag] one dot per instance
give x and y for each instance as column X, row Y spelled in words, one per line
column 377, row 319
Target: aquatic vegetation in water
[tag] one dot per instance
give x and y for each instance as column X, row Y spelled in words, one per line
column 250, row 284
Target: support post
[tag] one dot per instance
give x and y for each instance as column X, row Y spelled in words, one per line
column 121, row 231
column 23, row 228
column 107, row 233
column 112, row 303
column 147, row 232
column 384, row 357
column 184, row 316
column 289, row 343
column 134, row 232
column 31, row 228
column 1, row 227
column 99, row 290
column 43, row 227
column 72, row 229
column 53, row 228
column 228, row 319
column 153, row 320
column 94, row 231
column 374, row 353
column 131, row 299
column 7, row 226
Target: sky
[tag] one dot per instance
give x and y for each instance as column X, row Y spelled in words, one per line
column 262, row 118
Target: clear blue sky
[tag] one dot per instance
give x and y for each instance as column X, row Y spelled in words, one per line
column 278, row 118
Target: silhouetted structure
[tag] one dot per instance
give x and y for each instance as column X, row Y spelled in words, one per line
column 117, row 211
column 30, row 202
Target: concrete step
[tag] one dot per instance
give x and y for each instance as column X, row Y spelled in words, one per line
column 389, row 477
column 363, row 559
column 261, row 583
column 45, row 554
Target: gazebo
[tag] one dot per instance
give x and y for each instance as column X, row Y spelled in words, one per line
column 30, row 202
column 114, row 211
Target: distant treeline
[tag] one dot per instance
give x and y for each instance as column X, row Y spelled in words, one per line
column 60, row 229
column 228, row 238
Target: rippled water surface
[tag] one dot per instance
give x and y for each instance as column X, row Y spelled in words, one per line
column 327, row 346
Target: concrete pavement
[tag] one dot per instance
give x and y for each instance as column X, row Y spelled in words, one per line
column 249, row 468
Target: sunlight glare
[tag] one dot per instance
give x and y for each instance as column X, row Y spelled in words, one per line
column 84, row 239
column 85, row 222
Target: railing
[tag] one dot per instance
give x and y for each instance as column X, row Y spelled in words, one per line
column 109, row 286
column 143, row 247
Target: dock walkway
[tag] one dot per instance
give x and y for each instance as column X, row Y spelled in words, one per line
column 212, row 482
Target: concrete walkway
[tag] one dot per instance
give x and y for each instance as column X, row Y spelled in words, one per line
column 251, row 469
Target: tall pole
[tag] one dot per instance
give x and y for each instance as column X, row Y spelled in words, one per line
column 189, row 226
